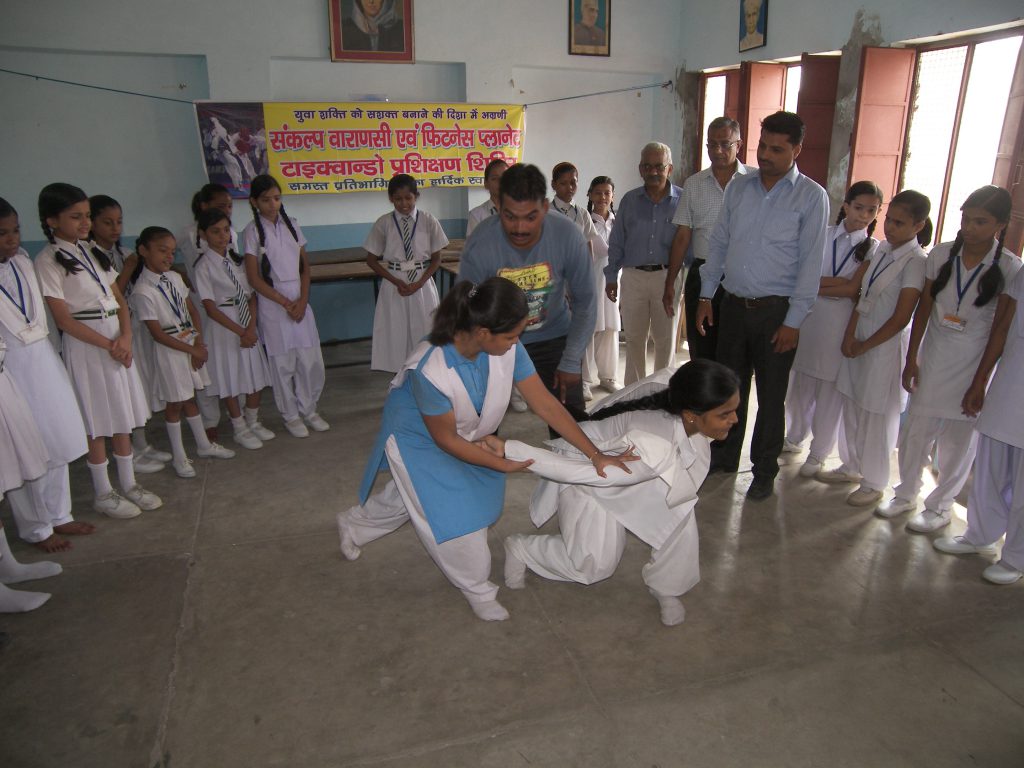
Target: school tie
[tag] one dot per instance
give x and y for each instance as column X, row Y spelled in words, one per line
column 184, row 318
column 407, row 237
column 241, row 301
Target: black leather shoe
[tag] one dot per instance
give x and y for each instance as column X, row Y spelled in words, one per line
column 761, row 488
column 722, row 468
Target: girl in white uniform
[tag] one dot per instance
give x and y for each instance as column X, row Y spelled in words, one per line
column 672, row 430
column 105, row 236
column 963, row 282
column 452, row 392
column 82, row 295
column 278, row 270
column 23, row 457
column 238, row 364
column 160, row 300
column 42, row 506
column 601, row 360
column 813, row 405
column 492, row 179
column 995, row 506
column 874, row 346
column 404, row 248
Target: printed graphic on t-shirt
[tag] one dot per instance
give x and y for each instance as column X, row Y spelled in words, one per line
column 537, row 282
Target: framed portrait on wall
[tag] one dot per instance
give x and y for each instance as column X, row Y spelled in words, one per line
column 590, row 27
column 371, row 30
column 753, row 24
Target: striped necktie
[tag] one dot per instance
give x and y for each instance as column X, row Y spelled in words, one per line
column 176, row 300
column 407, row 237
column 241, row 300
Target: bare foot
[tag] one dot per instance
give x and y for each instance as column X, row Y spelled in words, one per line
column 54, row 544
column 75, row 528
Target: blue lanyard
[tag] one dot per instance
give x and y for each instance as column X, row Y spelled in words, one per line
column 876, row 272
column 172, row 303
column 93, row 272
column 20, row 303
column 961, row 291
column 835, row 270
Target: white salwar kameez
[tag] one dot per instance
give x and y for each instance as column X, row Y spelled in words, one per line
column 601, row 360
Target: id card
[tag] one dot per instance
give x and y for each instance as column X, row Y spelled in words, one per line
column 186, row 335
column 32, row 333
column 109, row 304
column 954, row 323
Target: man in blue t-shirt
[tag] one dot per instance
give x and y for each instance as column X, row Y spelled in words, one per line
column 547, row 257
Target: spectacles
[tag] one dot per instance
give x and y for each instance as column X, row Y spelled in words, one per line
column 722, row 145
column 659, row 167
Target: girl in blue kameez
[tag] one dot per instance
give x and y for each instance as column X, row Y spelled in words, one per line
column 451, row 393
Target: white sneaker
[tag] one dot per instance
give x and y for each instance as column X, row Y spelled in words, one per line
column 928, row 521
column 864, row 497
column 791, row 447
column 162, row 456
column 1001, row 573
column 838, row 475
column 145, row 465
column 518, row 404
column 185, row 468
column 810, row 468
column 610, row 385
column 215, row 451
column 316, row 422
column 587, row 394
column 958, row 545
column 296, row 428
column 112, row 505
column 349, row 548
column 896, row 506
column 142, row 498
column 246, row 439
column 261, row 432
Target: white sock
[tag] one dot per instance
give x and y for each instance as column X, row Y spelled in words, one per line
column 100, row 480
column 16, row 601
column 11, row 571
column 139, row 442
column 672, row 610
column 252, row 415
column 239, row 425
column 125, row 471
column 177, row 446
column 490, row 610
column 349, row 548
column 195, row 423
column 515, row 568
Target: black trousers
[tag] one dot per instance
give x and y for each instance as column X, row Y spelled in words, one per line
column 744, row 344
column 546, row 355
column 699, row 346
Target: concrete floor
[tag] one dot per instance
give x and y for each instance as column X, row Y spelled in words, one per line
column 226, row 630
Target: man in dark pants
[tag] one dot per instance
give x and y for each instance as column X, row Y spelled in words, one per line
column 695, row 219
column 768, row 242
column 546, row 256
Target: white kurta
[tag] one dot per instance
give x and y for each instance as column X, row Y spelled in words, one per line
column 110, row 396
column 22, row 453
column 174, row 380
column 233, row 370
column 607, row 310
column 483, row 211
column 401, row 322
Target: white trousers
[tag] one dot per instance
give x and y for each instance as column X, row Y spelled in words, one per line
column 643, row 317
column 40, row 504
column 814, row 406
column 297, row 378
column 209, row 407
column 465, row 561
column 996, row 502
column 591, row 543
column 870, row 441
column 601, row 360
column 955, row 442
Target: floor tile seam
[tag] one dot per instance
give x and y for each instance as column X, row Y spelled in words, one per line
column 160, row 740
column 966, row 663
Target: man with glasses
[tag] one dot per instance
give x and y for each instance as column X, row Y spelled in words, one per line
column 695, row 218
column 639, row 246
column 768, row 243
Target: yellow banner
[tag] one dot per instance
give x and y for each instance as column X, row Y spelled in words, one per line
column 358, row 146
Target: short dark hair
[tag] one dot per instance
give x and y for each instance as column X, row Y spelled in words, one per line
column 523, row 183
column 788, row 123
column 402, row 181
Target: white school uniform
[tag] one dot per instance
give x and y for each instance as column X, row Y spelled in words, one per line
column 996, row 503
column 43, row 381
column 234, row 370
column 871, row 383
column 23, row 455
column 813, row 404
column 401, row 322
column 601, row 359
column 947, row 361
column 296, row 363
column 482, row 212
column 110, row 396
column 162, row 298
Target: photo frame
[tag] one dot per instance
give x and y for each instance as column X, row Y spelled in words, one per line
column 371, row 30
column 590, row 27
column 753, row 24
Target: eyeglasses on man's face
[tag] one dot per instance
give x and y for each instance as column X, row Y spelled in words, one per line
column 722, row 145
column 657, row 167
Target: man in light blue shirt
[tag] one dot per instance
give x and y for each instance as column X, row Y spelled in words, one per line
column 768, row 242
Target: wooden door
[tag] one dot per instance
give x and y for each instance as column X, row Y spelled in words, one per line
column 1009, row 168
column 816, row 105
column 762, row 92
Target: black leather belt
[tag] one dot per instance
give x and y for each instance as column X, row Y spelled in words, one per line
column 760, row 301
column 651, row 267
